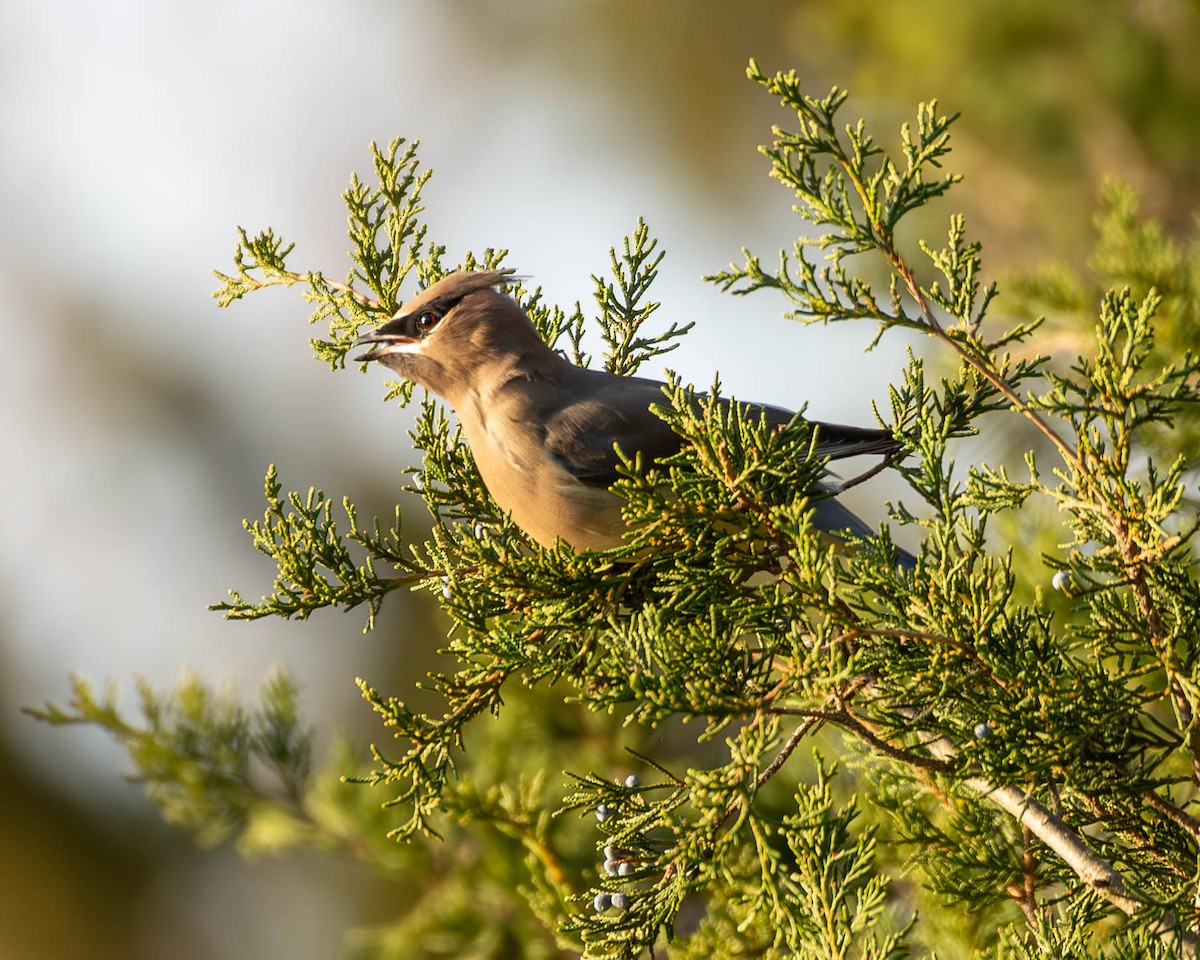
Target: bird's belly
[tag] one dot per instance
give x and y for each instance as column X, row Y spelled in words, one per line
column 547, row 502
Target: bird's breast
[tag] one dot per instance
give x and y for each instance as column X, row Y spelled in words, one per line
column 543, row 498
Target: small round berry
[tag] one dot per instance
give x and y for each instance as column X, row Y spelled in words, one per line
column 633, row 781
column 447, row 592
column 601, row 902
column 478, row 530
column 1061, row 580
column 603, row 812
column 417, row 481
column 610, row 867
column 982, row 730
column 619, row 900
column 610, row 852
column 624, row 869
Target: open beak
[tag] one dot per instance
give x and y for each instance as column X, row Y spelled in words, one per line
column 388, row 338
column 380, row 345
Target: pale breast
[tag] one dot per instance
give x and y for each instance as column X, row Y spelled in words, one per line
column 544, row 499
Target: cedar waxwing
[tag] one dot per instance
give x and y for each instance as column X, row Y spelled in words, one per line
column 541, row 428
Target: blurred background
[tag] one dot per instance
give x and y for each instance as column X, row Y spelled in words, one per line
column 138, row 418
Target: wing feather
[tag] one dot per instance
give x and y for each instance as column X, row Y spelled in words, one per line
column 582, row 434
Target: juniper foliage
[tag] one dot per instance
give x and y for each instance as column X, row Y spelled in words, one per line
column 1024, row 765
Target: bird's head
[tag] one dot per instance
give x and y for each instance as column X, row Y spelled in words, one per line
column 449, row 335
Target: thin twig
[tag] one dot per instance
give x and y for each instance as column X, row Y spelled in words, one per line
column 361, row 298
column 848, row 721
column 1136, row 837
column 1002, row 386
column 416, row 576
column 1181, row 818
column 806, row 726
column 903, row 634
column 1025, row 893
column 813, row 721
column 866, row 475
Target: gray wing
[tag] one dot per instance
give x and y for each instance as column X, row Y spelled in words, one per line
column 616, row 410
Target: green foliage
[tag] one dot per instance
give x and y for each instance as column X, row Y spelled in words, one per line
column 1033, row 772
column 1140, row 257
column 622, row 310
column 1058, row 95
column 314, row 567
column 1063, row 932
column 197, row 750
column 388, row 242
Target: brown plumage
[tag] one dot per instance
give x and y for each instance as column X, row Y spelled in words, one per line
column 542, row 429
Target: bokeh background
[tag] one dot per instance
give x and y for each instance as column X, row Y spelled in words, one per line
column 138, row 418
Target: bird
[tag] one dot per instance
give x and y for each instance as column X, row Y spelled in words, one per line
column 544, row 431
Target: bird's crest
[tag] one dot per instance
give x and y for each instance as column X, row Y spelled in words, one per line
column 454, row 286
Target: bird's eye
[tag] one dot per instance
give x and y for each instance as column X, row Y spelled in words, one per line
column 427, row 321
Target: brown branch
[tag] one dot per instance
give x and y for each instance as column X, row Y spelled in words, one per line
column 1181, row 818
column 865, row 731
column 848, row 721
column 1025, row 892
column 1135, row 835
column 812, row 721
column 1172, row 668
column 808, row 725
column 900, row 265
column 1096, row 872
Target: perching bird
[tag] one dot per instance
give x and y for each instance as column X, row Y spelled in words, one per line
column 542, row 429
